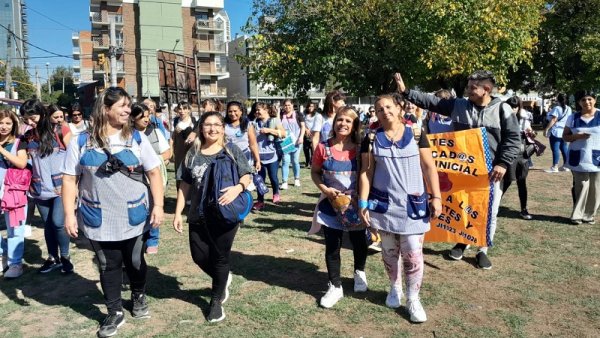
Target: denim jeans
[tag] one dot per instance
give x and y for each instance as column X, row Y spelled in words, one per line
column 153, row 236
column 53, row 214
column 557, row 145
column 14, row 245
column 270, row 168
column 293, row 157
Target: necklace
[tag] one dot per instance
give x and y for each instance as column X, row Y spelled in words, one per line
column 394, row 136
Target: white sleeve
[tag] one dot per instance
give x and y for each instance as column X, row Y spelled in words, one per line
column 163, row 145
column 71, row 164
column 148, row 157
column 569, row 122
column 318, row 124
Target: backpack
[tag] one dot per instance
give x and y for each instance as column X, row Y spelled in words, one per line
column 16, row 185
column 223, row 173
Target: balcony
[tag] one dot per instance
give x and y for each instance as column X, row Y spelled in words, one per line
column 75, row 36
column 120, row 68
column 207, row 91
column 100, row 42
column 209, row 25
column 100, row 19
column 215, row 4
column 76, row 66
column 210, row 46
column 211, row 69
column 76, row 53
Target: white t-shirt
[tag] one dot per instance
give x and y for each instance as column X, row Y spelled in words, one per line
column 142, row 151
column 76, row 130
column 163, row 145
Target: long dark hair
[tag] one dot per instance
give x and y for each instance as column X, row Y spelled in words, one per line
column 243, row 118
column 562, row 100
column 330, row 98
column 44, row 130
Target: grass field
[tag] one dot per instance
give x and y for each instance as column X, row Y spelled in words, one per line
column 545, row 281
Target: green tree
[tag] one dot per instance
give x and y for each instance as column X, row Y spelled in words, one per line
column 23, row 86
column 357, row 45
column 567, row 55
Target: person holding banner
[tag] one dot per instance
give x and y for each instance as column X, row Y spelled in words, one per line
column 398, row 193
column 582, row 129
column 479, row 109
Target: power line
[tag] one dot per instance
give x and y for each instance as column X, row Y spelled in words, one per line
column 34, row 46
column 49, row 18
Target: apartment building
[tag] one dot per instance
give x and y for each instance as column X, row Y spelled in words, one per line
column 83, row 64
column 14, row 17
column 194, row 28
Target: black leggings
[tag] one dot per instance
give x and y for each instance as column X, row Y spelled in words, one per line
column 111, row 258
column 522, row 188
column 307, row 147
column 210, row 245
column 333, row 244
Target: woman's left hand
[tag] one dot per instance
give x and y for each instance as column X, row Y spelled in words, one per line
column 157, row 216
column 436, row 207
column 230, row 193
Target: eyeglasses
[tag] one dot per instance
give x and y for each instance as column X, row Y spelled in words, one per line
column 75, row 115
column 212, row 125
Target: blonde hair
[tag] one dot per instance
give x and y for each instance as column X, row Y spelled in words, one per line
column 350, row 112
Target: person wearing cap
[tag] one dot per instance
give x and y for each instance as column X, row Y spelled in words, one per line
column 478, row 109
column 582, row 130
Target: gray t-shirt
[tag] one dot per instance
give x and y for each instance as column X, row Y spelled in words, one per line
column 194, row 168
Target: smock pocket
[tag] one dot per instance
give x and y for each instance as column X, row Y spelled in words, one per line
column 574, row 157
column 35, row 188
column 379, row 201
column 417, row 206
column 596, row 157
column 137, row 211
column 90, row 212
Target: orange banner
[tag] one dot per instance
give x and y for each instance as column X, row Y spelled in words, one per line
column 463, row 161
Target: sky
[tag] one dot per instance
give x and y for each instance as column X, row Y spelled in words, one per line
column 52, row 22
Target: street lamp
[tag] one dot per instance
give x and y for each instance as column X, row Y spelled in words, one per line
column 48, row 74
column 176, row 42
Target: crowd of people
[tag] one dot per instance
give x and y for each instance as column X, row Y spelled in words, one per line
column 374, row 170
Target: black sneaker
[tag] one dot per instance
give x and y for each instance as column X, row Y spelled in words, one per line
column 526, row 215
column 456, row 253
column 140, row 307
column 49, row 265
column 215, row 313
column 483, row 262
column 111, row 323
column 67, row 266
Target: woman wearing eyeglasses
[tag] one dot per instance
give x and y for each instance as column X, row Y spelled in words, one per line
column 77, row 124
column 210, row 241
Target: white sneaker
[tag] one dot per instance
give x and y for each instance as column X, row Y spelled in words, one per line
column 563, row 168
column 416, row 311
column 284, row 186
column 296, row 183
column 552, row 170
column 14, row 271
column 393, row 298
column 226, row 295
column 360, row 281
column 332, row 296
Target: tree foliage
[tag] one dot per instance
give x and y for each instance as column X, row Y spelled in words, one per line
column 357, row 45
column 23, row 85
column 567, row 55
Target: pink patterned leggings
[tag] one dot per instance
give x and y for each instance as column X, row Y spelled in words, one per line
column 410, row 247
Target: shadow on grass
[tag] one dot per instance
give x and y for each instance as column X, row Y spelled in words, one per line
column 510, row 213
column 269, row 225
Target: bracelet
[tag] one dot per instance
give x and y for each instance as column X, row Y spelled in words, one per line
column 362, row 204
column 243, row 187
column 436, row 197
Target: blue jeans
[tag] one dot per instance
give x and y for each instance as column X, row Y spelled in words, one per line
column 14, row 245
column 153, row 236
column 558, row 144
column 293, row 157
column 270, row 168
column 53, row 214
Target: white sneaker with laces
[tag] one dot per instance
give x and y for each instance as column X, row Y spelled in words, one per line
column 563, row 168
column 332, row 296
column 284, row 186
column 14, row 271
column 393, row 298
column 360, row 281
column 551, row 170
column 296, row 183
column 416, row 311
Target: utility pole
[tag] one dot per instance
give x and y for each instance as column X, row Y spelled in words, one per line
column 8, row 78
column 48, row 75
column 112, row 51
column 38, row 87
column 63, row 82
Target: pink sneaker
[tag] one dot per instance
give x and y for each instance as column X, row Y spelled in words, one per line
column 152, row 250
column 276, row 198
column 258, row 206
